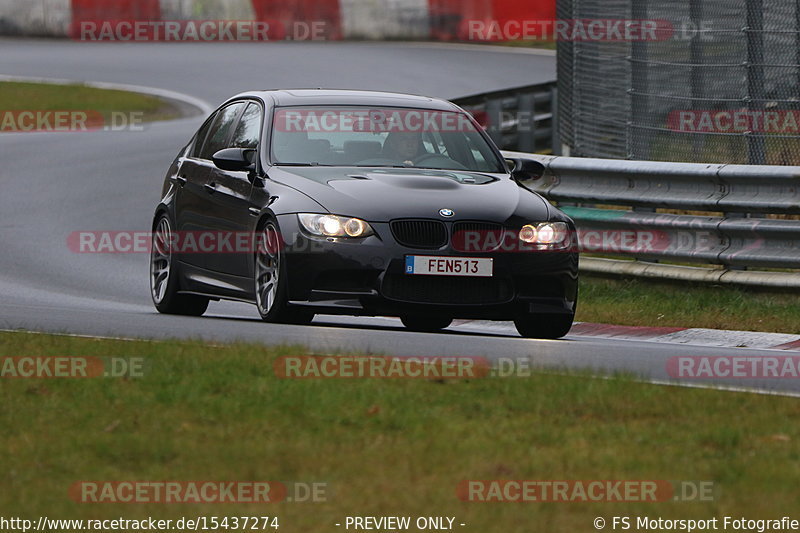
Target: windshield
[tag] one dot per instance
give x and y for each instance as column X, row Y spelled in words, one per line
column 380, row 137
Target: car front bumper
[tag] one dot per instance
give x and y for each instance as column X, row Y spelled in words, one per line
column 367, row 277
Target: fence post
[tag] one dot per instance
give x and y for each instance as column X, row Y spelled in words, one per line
column 697, row 70
column 555, row 129
column 638, row 138
column 754, row 31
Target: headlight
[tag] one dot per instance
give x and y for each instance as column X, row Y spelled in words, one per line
column 549, row 233
column 334, row 226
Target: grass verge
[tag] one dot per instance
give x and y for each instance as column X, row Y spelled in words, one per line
column 635, row 302
column 386, row 447
column 25, row 96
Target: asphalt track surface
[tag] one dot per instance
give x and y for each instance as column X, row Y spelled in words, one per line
column 52, row 184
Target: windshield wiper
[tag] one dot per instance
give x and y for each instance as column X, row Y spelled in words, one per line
column 312, row 164
column 380, row 166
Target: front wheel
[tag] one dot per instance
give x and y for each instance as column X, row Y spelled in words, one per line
column 164, row 275
column 426, row 325
column 544, row 326
column 270, row 280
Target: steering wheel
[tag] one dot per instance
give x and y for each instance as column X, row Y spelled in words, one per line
column 451, row 164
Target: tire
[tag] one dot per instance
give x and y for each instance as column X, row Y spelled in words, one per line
column 164, row 276
column 544, row 326
column 424, row 324
column 270, row 280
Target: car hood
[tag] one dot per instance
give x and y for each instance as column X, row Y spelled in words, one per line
column 383, row 194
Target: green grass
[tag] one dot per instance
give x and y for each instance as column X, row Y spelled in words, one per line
column 636, row 302
column 384, row 446
column 727, row 149
column 23, row 96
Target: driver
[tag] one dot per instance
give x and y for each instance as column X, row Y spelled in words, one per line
column 403, row 146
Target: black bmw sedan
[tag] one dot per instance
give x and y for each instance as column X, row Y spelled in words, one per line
column 308, row 202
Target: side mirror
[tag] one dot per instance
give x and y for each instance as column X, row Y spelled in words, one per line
column 525, row 169
column 235, row 159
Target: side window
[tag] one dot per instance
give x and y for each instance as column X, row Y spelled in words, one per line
column 248, row 132
column 221, row 130
column 200, row 138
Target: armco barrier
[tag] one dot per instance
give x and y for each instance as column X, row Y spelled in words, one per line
column 520, row 119
column 729, row 232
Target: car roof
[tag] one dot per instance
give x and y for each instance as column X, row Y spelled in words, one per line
column 317, row 97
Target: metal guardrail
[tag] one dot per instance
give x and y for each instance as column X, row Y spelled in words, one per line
column 521, row 119
column 656, row 219
column 718, row 219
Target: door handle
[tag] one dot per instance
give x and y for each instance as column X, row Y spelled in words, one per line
column 181, row 180
column 210, row 188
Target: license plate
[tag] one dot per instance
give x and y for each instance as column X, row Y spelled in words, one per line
column 431, row 265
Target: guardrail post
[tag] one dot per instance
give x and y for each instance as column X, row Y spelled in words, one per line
column 526, row 128
column 525, row 110
column 494, row 113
